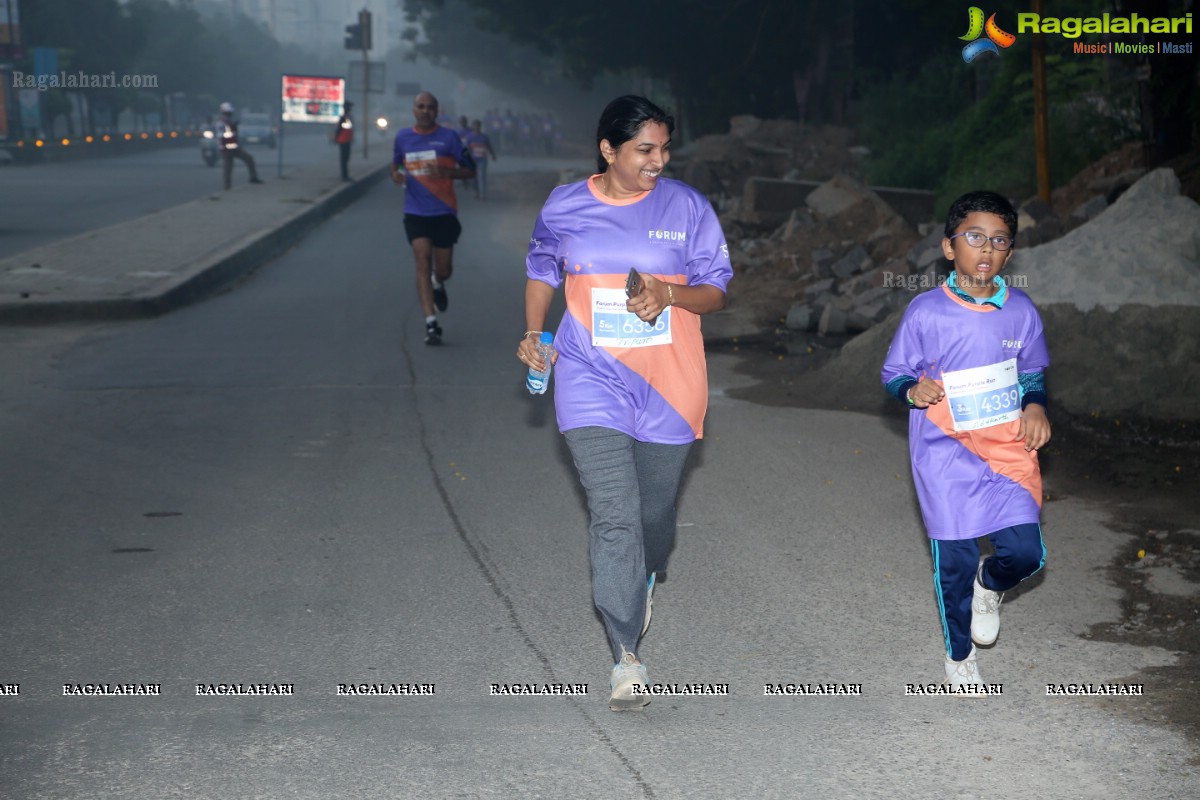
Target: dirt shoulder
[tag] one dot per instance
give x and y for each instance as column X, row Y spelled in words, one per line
column 1144, row 473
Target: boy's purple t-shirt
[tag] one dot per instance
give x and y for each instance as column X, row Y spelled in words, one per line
column 970, row 481
column 613, row 371
column 429, row 195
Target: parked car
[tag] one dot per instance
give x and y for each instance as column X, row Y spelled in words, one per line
column 256, row 129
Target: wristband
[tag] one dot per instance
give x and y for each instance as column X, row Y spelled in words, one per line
column 670, row 295
column 908, row 397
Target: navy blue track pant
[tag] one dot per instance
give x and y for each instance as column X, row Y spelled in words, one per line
column 1020, row 553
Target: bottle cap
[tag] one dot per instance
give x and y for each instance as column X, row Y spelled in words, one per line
column 547, row 337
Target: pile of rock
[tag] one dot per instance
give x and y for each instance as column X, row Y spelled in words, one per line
column 839, row 257
column 815, row 251
column 842, row 261
column 720, row 164
column 1118, row 297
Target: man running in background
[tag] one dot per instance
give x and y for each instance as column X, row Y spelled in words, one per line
column 426, row 160
column 479, row 145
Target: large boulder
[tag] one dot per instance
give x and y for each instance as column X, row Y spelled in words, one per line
column 1143, row 249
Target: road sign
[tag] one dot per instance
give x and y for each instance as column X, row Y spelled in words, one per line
column 374, row 80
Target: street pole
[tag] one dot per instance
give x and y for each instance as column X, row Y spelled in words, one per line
column 279, row 144
column 364, row 21
column 1041, row 128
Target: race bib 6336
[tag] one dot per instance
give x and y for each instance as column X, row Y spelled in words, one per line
column 613, row 326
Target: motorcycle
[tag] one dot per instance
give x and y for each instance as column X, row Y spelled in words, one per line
column 209, row 148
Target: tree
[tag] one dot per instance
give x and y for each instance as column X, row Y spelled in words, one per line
column 1168, row 88
column 718, row 59
column 92, row 36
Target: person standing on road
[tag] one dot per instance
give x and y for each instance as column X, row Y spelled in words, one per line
column 343, row 135
column 968, row 360
column 426, row 160
column 227, row 135
column 464, row 130
column 480, row 147
column 632, row 383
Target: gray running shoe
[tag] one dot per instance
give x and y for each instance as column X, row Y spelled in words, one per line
column 985, row 613
column 626, row 674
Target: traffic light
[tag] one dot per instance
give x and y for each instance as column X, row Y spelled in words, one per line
column 358, row 37
column 364, row 24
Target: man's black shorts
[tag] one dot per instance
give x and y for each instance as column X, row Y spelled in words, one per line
column 443, row 230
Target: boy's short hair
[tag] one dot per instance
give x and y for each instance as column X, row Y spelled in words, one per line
column 987, row 202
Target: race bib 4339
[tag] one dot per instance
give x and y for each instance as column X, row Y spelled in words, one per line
column 983, row 396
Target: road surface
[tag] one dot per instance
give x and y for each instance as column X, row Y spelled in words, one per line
column 283, row 487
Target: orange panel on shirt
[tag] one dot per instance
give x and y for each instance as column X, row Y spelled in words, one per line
column 996, row 446
column 672, row 375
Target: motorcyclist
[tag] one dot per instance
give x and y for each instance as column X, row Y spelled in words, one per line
column 210, row 151
column 227, row 135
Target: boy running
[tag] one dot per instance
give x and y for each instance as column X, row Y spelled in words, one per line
column 968, row 360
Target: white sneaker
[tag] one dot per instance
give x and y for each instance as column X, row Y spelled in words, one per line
column 649, row 603
column 985, row 614
column 963, row 673
column 626, row 674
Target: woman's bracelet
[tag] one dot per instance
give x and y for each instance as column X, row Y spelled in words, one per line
column 670, row 295
column 531, row 333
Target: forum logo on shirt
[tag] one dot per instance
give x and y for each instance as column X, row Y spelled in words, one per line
column 667, row 236
column 983, row 37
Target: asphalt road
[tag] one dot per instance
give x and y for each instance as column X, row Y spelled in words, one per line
column 283, row 485
column 42, row 203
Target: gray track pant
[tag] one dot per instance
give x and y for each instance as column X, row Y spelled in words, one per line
column 631, row 488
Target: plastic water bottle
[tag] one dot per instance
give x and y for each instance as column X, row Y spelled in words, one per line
column 538, row 382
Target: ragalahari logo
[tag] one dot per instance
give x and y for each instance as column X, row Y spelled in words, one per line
column 976, row 28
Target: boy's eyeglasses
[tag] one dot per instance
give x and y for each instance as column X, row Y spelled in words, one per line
column 976, row 239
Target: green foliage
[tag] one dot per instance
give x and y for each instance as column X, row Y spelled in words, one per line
column 910, row 124
column 952, row 127
column 102, row 34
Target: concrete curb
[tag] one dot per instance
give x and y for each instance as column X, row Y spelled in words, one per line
column 240, row 259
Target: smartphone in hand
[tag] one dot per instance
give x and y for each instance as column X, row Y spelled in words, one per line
column 633, row 284
column 633, row 287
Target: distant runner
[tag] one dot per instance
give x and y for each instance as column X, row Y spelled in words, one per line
column 480, row 146
column 426, row 160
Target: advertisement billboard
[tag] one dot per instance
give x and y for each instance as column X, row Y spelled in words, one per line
column 313, row 98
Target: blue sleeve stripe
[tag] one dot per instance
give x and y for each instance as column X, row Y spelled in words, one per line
column 1032, row 382
column 1033, row 388
column 898, row 387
